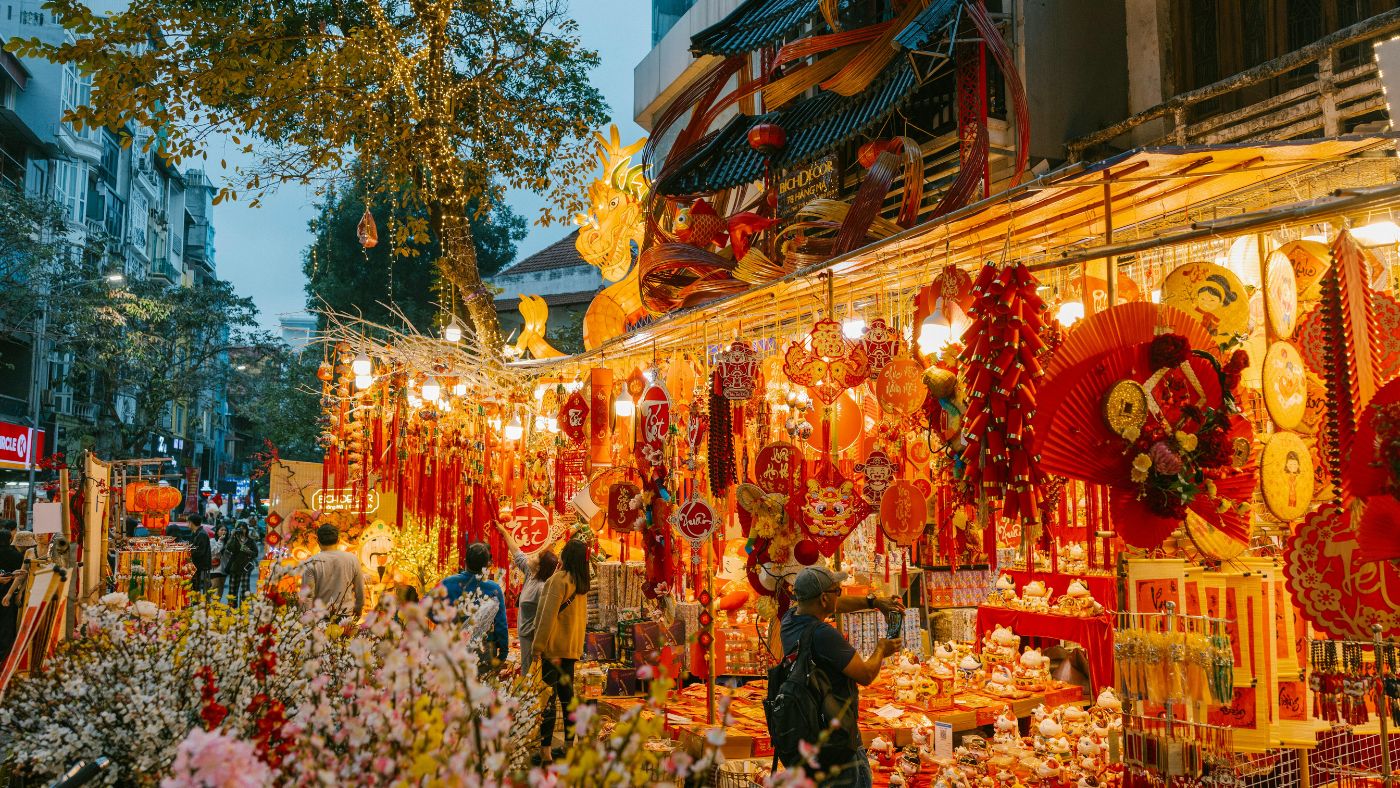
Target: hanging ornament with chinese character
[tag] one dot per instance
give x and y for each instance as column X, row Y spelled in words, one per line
column 696, row 522
column 653, row 425
column 573, row 418
column 826, row 362
column 737, row 372
column 881, row 345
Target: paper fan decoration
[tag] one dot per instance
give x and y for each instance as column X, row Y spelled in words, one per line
column 1312, row 343
column 1072, row 437
column 1123, row 326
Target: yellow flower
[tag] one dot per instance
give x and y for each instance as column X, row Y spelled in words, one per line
column 1143, row 463
column 1131, row 434
column 334, row 631
column 1186, row 441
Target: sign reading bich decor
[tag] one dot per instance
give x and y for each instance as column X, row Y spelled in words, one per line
column 20, row 446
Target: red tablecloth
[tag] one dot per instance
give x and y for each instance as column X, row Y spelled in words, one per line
column 1094, row 634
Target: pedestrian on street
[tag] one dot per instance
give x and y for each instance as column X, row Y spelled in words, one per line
column 11, row 562
column 218, row 560
column 537, row 570
column 240, row 552
column 201, row 554
column 471, row 580
column 817, row 591
column 558, row 641
column 333, row 577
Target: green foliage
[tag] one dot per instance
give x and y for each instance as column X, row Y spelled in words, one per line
column 278, row 403
column 444, row 101
column 29, row 249
column 399, row 271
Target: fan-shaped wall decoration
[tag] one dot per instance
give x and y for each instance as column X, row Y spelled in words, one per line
column 1123, row 326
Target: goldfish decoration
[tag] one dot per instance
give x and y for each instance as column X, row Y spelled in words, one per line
column 699, row 225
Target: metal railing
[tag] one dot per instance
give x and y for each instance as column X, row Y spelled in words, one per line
column 1322, row 104
column 161, row 268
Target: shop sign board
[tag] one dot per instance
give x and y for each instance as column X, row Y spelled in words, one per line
column 20, row 446
column 813, row 180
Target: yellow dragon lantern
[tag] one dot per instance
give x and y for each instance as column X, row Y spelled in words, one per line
column 609, row 231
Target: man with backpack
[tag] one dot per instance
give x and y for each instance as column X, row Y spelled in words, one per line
column 815, row 689
column 471, row 581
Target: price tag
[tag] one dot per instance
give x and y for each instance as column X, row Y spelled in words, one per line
column 943, row 740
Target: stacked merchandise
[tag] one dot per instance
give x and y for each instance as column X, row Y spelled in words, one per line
column 156, row 569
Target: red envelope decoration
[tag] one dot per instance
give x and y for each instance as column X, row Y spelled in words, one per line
column 826, row 362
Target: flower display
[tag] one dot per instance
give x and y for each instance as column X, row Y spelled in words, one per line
column 275, row 693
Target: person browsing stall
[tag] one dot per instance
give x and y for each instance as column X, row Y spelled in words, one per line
column 558, row 643
column 537, row 569
column 333, row 577
column 471, row 581
column 817, row 591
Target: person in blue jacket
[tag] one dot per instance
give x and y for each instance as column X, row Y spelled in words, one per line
column 470, row 581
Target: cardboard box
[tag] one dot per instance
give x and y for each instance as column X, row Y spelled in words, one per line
column 621, row 681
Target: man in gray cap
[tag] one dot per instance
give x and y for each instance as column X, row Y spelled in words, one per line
column 817, row 591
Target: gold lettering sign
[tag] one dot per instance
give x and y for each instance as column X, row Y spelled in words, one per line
column 814, row 180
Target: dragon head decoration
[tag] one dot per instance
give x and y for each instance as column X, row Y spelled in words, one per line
column 614, row 221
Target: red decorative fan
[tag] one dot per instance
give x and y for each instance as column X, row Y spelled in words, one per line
column 1123, row 326
column 1073, row 439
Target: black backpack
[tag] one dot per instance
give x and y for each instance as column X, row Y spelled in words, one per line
column 793, row 708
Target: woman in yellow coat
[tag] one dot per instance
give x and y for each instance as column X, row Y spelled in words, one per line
column 561, row 622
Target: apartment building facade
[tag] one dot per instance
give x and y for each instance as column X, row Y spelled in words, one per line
column 127, row 212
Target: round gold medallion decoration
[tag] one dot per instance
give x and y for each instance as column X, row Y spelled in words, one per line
column 1281, row 295
column 1125, row 408
column 1285, row 385
column 1286, row 476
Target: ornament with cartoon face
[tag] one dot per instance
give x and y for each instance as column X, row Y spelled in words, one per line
column 377, row 548
column 879, row 471
column 881, row 345
column 831, row 509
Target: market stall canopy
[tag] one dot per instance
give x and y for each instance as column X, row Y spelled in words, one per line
column 1060, row 218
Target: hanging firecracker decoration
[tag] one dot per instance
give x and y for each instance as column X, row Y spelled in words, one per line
column 720, row 447
column 367, row 231
column 1001, row 365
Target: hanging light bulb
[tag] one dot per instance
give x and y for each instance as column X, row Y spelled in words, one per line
column 623, row 406
column 495, row 424
column 1070, row 313
column 459, row 389
column 431, row 390
column 1382, row 233
column 361, row 366
column 541, row 424
column 453, row 331
column 515, row 430
column 853, row 328
column 363, row 382
column 552, row 424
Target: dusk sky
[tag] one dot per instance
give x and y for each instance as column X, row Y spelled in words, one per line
column 260, row 249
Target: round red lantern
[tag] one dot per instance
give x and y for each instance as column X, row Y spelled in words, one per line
column 767, row 138
column 806, row 552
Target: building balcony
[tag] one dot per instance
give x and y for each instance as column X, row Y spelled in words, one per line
column 162, row 269
column 1313, row 94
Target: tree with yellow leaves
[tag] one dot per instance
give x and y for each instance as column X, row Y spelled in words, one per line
column 447, row 101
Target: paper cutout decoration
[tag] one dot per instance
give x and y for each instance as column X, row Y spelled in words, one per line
column 1281, row 294
column 1285, row 385
column 900, row 387
column 1312, row 344
column 826, row 362
column 879, row 472
column 831, row 509
column 1336, row 586
column 903, row 513
column 881, row 345
column 600, row 405
column 654, row 422
column 1213, row 295
column 532, row 528
column 736, row 372
column 1286, row 476
column 573, row 418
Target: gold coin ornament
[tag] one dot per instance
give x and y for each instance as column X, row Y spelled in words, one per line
column 1286, row 476
column 1213, row 295
column 1310, row 260
column 1281, row 295
column 1125, row 408
column 1285, row 385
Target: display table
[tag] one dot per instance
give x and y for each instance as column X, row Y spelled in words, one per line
column 1094, row 634
column 1102, row 587
column 747, row 737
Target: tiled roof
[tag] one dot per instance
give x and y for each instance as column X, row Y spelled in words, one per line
column 814, row 126
column 557, row 299
column 560, row 254
column 754, row 24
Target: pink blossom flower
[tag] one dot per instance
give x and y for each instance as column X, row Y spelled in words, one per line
column 212, row 759
column 646, row 673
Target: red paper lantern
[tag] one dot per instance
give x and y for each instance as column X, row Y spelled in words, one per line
column 767, row 138
column 806, row 552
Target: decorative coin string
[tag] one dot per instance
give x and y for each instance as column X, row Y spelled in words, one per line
column 696, row 522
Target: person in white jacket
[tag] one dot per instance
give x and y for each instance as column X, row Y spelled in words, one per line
column 536, row 569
